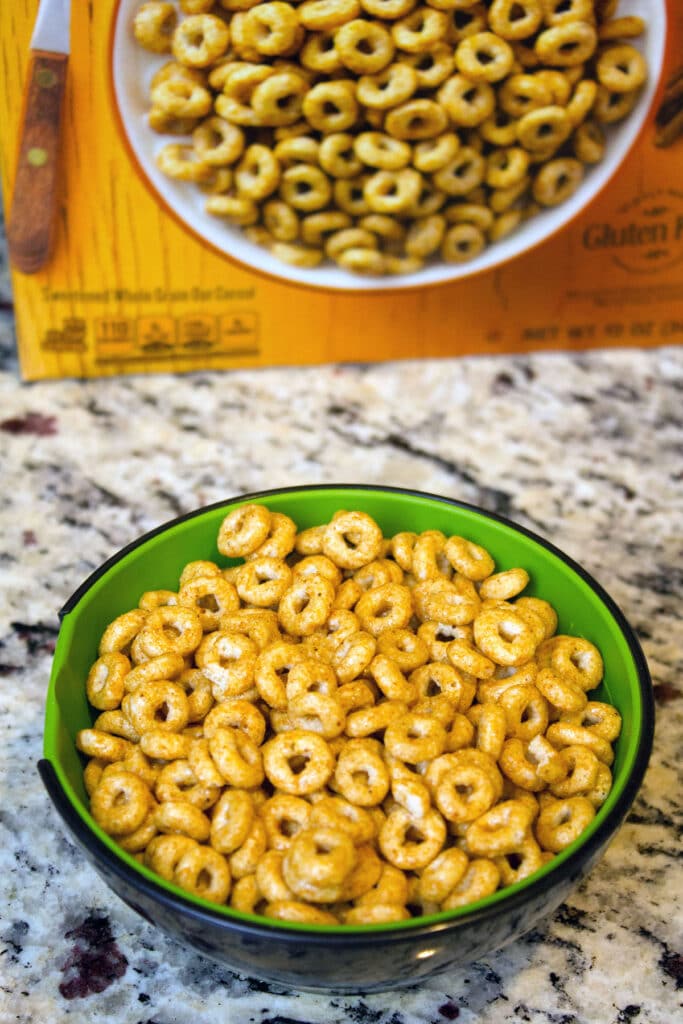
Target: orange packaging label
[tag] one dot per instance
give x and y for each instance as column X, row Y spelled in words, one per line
column 524, row 191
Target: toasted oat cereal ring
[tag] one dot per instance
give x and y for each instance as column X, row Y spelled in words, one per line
column 589, row 142
column 321, row 15
column 217, row 142
column 411, row 844
column 389, row 606
column 245, row 860
column 388, row 88
column 352, row 655
column 507, row 167
column 355, row 695
column 559, row 691
column 522, row 93
column 297, row 255
column 312, row 675
column 231, row 820
column 171, row 629
column 580, row 772
column 228, row 660
column 543, row 128
column 416, row 119
column 105, row 685
column 454, row 602
column 517, row 766
column 515, row 19
column 391, row 888
column 164, row 746
column 237, row 758
column 466, row 658
column 363, row 875
column 481, row 879
column 621, row 68
column 603, row 784
column 484, row 57
column 298, row 762
column 629, row 26
column 567, row 44
column 272, row 29
column 557, row 12
column 102, row 745
column 467, row 103
column 315, row 227
column 297, row 149
column 202, row 871
column 503, row 636
column 352, row 539
column 368, row 721
column 377, row 149
column 257, row 175
column 490, row 724
column 278, row 99
column 263, row 580
column 349, row 195
column 259, row 624
column 155, row 598
column 177, row 781
column 200, row 40
column 211, row 597
column 349, row 238
column 403, row 647
column 444, row 873
column 582, row 102
column 338, row 158
column 420, row 30
column 154, row 24
column 361, row 775
column 502, row 586
column 117, row 723
column 437, row 679
column 575, row 658
column 500, row 830
column 280, row 539
column 562, row 821
column 243, row 530
column 317, row 862
column 376, row 913
column 429, row 561
column 392, row 191
column 339, row 813
column 120, row 803
column 284, row 815
column 181, row 162
column 199, row 695
column 300, row 912
column 181, row 98
column 180, row 817
column 388, row 10
column 120, row 633
column 611, row 107
column 526, row 710
column 521, row 863
column 468, row 558
column 305, row 187
column 465, row 791
column 305, row 605
column 431, row 155
column 269, row 878
column 598, row 717
column 390, row 679
column 382, row 570
column 157, row 704
column 318, row 53
column 201, row 763
column 364, row 47
column 165, row 851
column 246, row 895
column 564, row 734
column 317, row 712
column 414, row 737
column 235, row 209
column 465, row 172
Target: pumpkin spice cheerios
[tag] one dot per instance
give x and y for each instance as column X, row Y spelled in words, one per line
column 336, row 727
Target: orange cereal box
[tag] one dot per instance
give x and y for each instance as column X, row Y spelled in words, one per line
column 192, row 184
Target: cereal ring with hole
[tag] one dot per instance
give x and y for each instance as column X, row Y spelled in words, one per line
column 388, row 10
column 105, row 685
column 218, row 143
column 468, row 559
column 177, row 782
column 379, row 150
column 237, row 758
column 243, row 530
column 598, row 717
column 390, row 679
column 389, row 606
column 278, row 100
column 580, row 772
column 119, row 634
column 367, row 721
column 322, row 15
column 564, row 734
column 500, row 830
column 154, row 24
column 205, row 873
column 562, row 821
column 102, row 745
column 574, row 658
column 305, row 605
column 164, row 746
column 263, row 580
column 481, row 879
column 515, row 19
column 444, row 873
column 305, row 187
column 211, row 597
column 171, row 629
column 269, row 877
column 352, row 539
column 272, row 29
column 231, row 820
column 164, row 852
column 298, row 762
column 413, row 737
column 411, row 844
column 503, row 636
column 229, row 661
column 560, row 692
column 200, row 40
column 284, row 816
column 467, row 103
column 543, row 128
column 526, row 711
column 454, row 602
column 490, row 726
column 416, row 119
column 361, row 775
column 270, row 671
column 157, row 704
column 339, row 813
column 245, row 860
column 464, row 173
column 589, row 143
column 300, row 912
column 484, row 57
column 403, row 647
column 466, row 790
column 180, row 817
column 317, row 862
column 523, row 862
column 316, row 712
column 364, row 47
column 566, row 45
column 120, row 803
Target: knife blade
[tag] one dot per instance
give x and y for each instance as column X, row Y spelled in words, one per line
column 31, row 221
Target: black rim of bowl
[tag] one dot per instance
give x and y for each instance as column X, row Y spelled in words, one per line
column 368, row 935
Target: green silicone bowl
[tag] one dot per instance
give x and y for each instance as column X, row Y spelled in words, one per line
column 323, row 957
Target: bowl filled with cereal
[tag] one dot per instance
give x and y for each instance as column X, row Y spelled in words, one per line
column 367, row 144
column 344, row 737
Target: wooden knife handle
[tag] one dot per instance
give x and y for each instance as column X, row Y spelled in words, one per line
column 31, row 221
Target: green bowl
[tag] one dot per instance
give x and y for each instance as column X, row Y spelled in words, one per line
column 325, row 957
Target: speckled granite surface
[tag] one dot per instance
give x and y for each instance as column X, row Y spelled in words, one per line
column 586, row 449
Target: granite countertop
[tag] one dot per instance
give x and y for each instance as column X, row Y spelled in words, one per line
column 583, row 448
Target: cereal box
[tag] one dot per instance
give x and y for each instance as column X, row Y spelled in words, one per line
column 240, row 183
